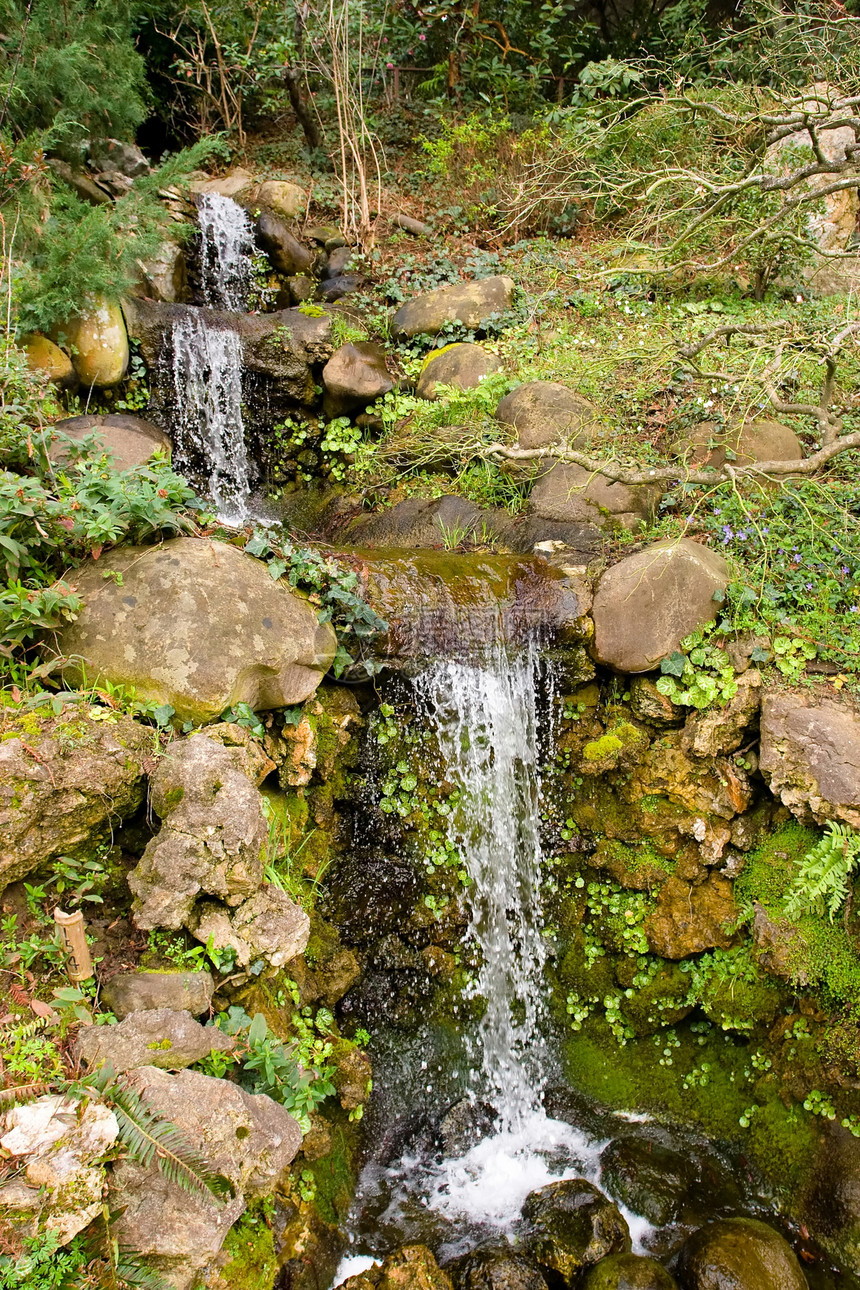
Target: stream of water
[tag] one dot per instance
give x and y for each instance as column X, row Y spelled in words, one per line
column 226, row 246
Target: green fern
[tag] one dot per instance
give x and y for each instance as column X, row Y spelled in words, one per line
column 822, row 882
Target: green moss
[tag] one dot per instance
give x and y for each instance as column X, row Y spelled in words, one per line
column 639, row 867
column 252, row 1261
column 334, row 1176
column 172, row 798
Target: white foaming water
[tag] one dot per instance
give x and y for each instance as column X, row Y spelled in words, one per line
column 227, row 243
column 486, row 723
column 209, row 432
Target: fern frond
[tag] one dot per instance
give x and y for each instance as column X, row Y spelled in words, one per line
column 821, row 885
column 131, row 1270
column 22, row 1094
column 148, row 1137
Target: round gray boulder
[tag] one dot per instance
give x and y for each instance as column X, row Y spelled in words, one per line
column 463, row 366
column 646, row 604
column 130, row 441
column 354, row 376
column 545, row 412
column 196, row 624
column 467, row 303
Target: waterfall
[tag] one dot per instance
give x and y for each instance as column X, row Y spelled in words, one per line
column 486, row 723
column 226, row 246
column 209, row 432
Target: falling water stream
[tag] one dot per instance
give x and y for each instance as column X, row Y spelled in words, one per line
column 226, row 245
column 486, row 720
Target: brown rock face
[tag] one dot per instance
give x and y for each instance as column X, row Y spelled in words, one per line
column 354, row 376
column 688, row 919
column 159, row 1037
column 285, row 252
column 130, row 441
column 198, row 625
column 646, row 604
column 65, row 783
column 462, row 366
column 545, row 412
column 412, row 1267
column 810, row 755
column 44, row 355
column 571, row 493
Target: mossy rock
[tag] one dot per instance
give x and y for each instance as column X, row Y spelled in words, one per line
column 619, row 745
column 628, row 1272
column 594, row 980
column 660, row 1003
column 742, row 1005
column 573, row 1225
column 248, row 1258
column 637, row 868
column 739, row 1254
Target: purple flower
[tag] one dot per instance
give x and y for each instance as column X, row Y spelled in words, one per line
column 795, row 559
column 844, row 569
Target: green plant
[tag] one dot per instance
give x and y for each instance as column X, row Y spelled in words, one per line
column 824, row 873
column 699, row 674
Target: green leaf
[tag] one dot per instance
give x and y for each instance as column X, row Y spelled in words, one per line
column 673, row 664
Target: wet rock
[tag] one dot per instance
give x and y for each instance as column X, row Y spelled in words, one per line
column 648, row 704
column 113, row 154
column 782, row 949
column 739, row 1254
column 55, row 1148
column 198, row 625
column 164, row 276
column 545, row 413
column 660, row 1003
column 140, row 991
column 247, row 1139
column 462, row 366
column 354, row 376
column 572, row 494
column 338, row 262
column 281, row 348
column 283, row 199
column 810, row 754
column 750, row 829
column 650, row 1179
column 467, row 303
column 412, row 1268
column 44, row 356
column 286, row 253
column 420, row 523
column 267, row 926
column 573, row 1225
column 211, row 840
column 352, row 1076
column 687, row 920
column 500, row 1269
column 99, row 344
column 158, row 1037
column 65, row 783
column 628, row 1272
column 723, row 729
column 703, row 788
column 129, row 441
column 414, row 226
column 646, row 604
column 337, row 287
column 464, row 1126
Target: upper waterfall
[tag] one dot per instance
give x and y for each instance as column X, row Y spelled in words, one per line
column 226, row 246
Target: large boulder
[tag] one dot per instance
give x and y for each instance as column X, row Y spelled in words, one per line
column 283, row 199
column 44, row 356
column 572, row 494
column 98, row 342
column 248, row 1139
column 65, row 783
column 286, row 253
column 496, row 1269
column 573, row 1225
column 687, row 920
column 467, row 303
column 646, row 1176
column 267, row 927
column 54, row 1149
column 628, row 1272
column 232, row 184
column 198, row 625
column 141, row 991
column 114, row 154
column 129, row 441
column 742, row 446
column 212, row 835
column 354, row 376
column 159, row 1037
column 810, row 754
column 544, row 413
column 281, row 348
column 461, row 366
column 739, row 1254
column 646, row 604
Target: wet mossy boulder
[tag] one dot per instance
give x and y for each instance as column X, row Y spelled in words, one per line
column 739, row 1254
column 647, row 1177
column 467, row 303
column 412, row 1267
column 628, row 1272
column 662, row 1001
column 573, row 1225
column 646, row 604
column 688, row 919
column 492, row 1269
column 197, row 625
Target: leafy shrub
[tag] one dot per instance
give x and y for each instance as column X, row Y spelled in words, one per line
column 699, row 674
